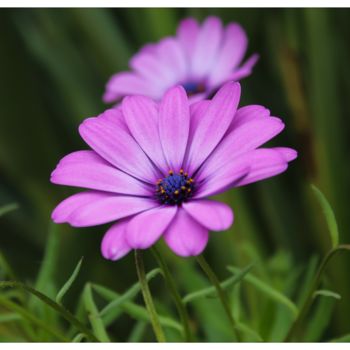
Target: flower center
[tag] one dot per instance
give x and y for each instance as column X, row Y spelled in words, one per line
column 193, row 88
column 174, row 188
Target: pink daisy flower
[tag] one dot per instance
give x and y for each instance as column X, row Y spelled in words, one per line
column 200, row 58
column 153, row 165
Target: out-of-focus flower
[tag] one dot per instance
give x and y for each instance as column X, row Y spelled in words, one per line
column 200, row 58
column 152, row 167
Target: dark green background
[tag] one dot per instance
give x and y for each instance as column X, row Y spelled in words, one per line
column 53, row 67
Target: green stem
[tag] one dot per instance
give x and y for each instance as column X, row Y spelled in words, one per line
column 221, row 294
column 157, row 328
column 181, row 308
column 309, row 298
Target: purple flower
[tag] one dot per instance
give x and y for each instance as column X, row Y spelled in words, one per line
column 153, row 165
column 200, row 58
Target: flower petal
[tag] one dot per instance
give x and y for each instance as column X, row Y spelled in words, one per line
column 187, row 34
column 207, row 131
column 185, row 236
column 288, row 154
column 230, row 54
column 113, row 142
column 206, row 47
column 141, row 116
column 126, row 83
column 264, row 163
column 242, row 139
column 248, row 113
column 95, row 208
column 245, row 69
column 174, row 125
column 88, row 170
column 173, row 57
column 213, row 215
column 145, row 229
column 114, row 245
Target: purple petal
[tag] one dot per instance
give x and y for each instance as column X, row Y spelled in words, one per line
column 173, row 57
column 185, row 236
column 242, row 139
column 94, row 208
column 230, row 54
column 224, row 178
column 110, row 139
column 207, row 131
column 245, row 69
column 265, row 163
column 288, row 154
column 141, row 116
column 146, row 228
column 213, row 215
column 88, row 170
column 206, row 47
column 247, row 114
column 114, row 245
column 187, row 34
column 174, row 124
column 126, row 83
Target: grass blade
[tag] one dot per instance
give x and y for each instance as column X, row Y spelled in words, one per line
column 268, row 291
column 51, row 303
column 327, row 293
column 209, row 291
column 130, row 293
column 95, row 319
column 69, row 282
column 329, row 215
column 136, row 311
column 8, row 208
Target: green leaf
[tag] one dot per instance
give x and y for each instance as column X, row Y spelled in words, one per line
column 137, row 332
column 329, row 215
column 94, row 317
column 130, row 293
column 327, row 293
column 268, row 291
column 8, row 208
column 5, row 266
column 52, row 304
column 136, row 311
column 249, row 331
column 209, row 291
column 9, row 317
column 69, row 282
column 31, row 318
column 78, row 338
column 343, row 339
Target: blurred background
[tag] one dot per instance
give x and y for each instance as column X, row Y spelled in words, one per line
column 53, row 67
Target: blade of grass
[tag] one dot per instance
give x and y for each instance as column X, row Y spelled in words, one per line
column 93, row 313
column 327, row 293
column 268, row 290
column 69, row 282
column 329, row 215
column 136, row 311
column 30, row 317
column 137, row 332
column 8, row 208
column 52, row 304
column 130, row 294
column 9, row 317
column 209, row 291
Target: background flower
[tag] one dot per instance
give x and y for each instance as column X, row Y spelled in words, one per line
column 200, row 58
column 154, row 165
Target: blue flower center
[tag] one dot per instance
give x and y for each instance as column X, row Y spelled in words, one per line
column 193, row 88
column 174, row 188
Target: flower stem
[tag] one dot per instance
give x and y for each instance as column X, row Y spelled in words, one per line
column 181, row 308
column 309, row 298
column 158, row 331
column 222, row 296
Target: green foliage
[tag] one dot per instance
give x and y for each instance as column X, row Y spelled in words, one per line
column 53, row 71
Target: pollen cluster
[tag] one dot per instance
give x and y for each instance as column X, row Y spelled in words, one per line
column 175, row 188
